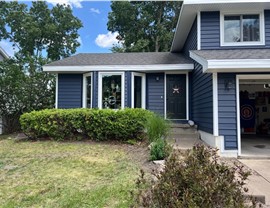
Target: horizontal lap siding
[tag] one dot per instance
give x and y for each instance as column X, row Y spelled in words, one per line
column 267, row 27
column 227, row 110
column 95, row 90
column 128, row 89
column 70, row 90
column 155, row 93
column 191, row 42
column 202, row 99
column 210, row 30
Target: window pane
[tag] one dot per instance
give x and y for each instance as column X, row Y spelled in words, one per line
column 232, row 27
column 137, row 92
column 251, row 28
column 88, row 92
column 111, row 91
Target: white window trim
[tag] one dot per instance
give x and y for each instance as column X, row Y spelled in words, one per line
column 56, row 91
column 100, row 74
column 262, row 29
column 84, row 92
column 133, row 74
column 187, row 94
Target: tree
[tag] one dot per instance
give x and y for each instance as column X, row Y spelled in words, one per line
column 144, row 25
column 40, row 35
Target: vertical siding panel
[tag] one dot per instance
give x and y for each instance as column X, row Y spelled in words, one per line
column 70, row 90
column 210, row 30
column 227, row 110
column 95, row 89
column 128, row 89
column 155, row 93
column 202, row 99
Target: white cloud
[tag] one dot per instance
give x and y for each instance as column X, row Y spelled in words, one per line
column 8, row 48
column 107, row 40
column 72, row 3
column 93, row 10
column 79, row 39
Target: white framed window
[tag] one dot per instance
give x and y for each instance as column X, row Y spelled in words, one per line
column 242, row 29
column 111, row 93
column 87, row 90
column 138, row 90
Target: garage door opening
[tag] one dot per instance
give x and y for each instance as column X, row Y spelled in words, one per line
column 254, row 110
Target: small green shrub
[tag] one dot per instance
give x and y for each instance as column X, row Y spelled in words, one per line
column 160, row 149
column 195, row 179
column 157, row 128
column 60, row 124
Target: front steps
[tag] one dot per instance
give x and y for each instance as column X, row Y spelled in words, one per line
column 183, row 136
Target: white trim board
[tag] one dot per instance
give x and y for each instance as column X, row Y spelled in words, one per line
column 113, row 68
column 84, row 91
column 56, row 91
column 232, row 65
column 215, row 104
column 133, row 74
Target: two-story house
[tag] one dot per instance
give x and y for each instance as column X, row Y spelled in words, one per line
column 217, row 74
column 3, row 55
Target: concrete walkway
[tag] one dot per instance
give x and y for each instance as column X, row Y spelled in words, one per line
column 259, row 181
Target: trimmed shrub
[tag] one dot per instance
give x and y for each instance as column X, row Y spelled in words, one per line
column 194, row 179
column 160, row 150
column 106, row 124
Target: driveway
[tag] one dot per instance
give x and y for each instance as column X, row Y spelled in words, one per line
column 259, row 181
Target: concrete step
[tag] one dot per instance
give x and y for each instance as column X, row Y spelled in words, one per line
column 179, row 125
column 183, row 130
column 187, row 136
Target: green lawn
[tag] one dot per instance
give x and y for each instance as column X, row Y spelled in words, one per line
column 69, row 174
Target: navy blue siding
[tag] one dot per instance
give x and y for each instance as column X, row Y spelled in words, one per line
column 128, row 89
column 155, row 93
column 202, row 99
column 95, row 90
column 267, row 27
column 70, row 90
column 210, row 30
column 227, row 110
column 191, row 42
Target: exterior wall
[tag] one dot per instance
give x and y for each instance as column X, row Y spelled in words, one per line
column 1, row 58
column 95, row 90
column 128, row 88
column 210, row 31
column 70, row 90
column 201, row 99
column 155, row 93
column 191, row 42
column 227, row 110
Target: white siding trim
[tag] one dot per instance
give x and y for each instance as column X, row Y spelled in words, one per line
column 133, row 74
column 199, row 30
column 100, row 87
column 115, row 68
column 215, row 105
column 84, row 91
column 56, row 91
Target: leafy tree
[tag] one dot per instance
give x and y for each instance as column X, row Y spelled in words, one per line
column 40, row 35
column 144, row 25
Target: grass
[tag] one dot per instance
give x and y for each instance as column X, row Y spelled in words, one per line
column 51, row 174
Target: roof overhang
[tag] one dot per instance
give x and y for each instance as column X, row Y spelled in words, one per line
column 190, row 8
column 139, row 68
column 232, row 65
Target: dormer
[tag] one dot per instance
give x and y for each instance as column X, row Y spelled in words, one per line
column 224, row 24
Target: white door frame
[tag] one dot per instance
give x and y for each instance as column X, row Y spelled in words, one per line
column 84, row 91
column 238, row 78
column 142, row 75
column 187, row 94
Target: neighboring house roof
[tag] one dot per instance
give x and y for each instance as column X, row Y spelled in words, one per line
column 233, row 60
column 121, row 61
column 3, row 53
column 190, row 9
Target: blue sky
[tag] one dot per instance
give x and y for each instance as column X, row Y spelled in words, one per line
column 94, row 36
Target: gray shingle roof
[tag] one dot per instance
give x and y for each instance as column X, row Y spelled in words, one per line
column 234, row 54
column 102, row 59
